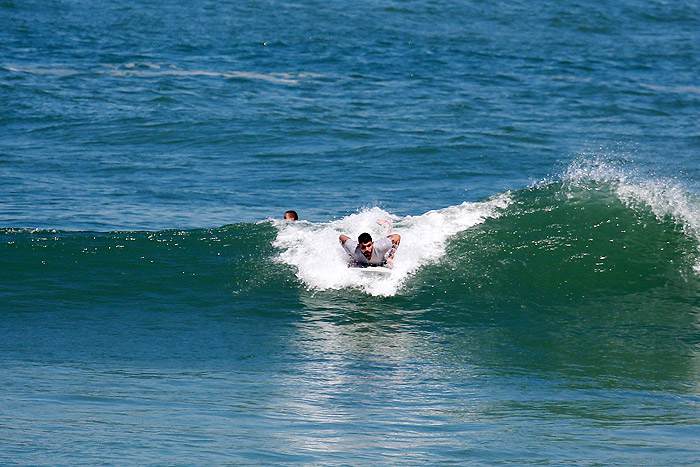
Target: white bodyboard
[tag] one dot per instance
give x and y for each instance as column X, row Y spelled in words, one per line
column 374, row 270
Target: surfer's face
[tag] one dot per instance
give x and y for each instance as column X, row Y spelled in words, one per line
column 366, row 249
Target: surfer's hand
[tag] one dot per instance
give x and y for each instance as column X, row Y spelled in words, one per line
column 390, row 262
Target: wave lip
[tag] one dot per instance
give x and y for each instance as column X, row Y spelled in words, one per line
column 667, row 199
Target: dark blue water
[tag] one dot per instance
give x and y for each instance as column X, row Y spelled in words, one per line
column 539, row 160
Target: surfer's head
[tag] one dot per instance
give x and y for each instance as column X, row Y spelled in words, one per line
column 291, row 216
column 365, row 244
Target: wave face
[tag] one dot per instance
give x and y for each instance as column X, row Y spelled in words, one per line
column 590, row 234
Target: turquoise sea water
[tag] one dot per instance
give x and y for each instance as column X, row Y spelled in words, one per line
column 539, row 160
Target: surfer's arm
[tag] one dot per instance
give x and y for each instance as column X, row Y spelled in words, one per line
column 343, row 239
column 395, row 239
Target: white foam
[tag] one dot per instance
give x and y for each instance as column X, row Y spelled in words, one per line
column 322, row 264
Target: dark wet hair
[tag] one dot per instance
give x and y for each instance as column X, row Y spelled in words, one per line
column 292, row 214
column 364, row 238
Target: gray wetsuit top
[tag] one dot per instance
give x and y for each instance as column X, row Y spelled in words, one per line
column 381, row 248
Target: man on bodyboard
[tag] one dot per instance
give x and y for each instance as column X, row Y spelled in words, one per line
column 365, row 252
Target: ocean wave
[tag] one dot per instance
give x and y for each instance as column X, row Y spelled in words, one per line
column 596, row 227
column 595, row 230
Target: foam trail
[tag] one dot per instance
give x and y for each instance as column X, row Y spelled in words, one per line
column 322, row 264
